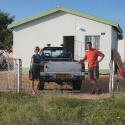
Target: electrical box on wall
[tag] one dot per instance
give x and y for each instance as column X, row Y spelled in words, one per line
column 102, row 33
column 120, row 36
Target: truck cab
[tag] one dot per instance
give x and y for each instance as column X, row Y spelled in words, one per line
column 56, row 54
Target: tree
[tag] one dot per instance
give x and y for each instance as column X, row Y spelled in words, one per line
column 6, row 35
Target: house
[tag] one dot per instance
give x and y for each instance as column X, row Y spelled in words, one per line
column 65, row 26
column 121, row 49
column 6, row 54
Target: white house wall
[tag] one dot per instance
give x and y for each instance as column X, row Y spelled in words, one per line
column 94, row 28
column 52, row 28
column 114, row 39
column 49, row 29
column 121, row 49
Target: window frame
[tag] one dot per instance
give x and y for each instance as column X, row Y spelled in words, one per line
column 92, row 41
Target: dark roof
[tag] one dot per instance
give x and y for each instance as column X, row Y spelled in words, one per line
column 74, row 12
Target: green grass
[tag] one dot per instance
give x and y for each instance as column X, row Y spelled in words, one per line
column 101, row 71
column 25, row 70
column 25, row 109
column 104, row 71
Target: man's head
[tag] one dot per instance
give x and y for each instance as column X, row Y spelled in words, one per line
column 89, row 45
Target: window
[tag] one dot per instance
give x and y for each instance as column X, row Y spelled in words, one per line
column 95, row 40
column 56, row 52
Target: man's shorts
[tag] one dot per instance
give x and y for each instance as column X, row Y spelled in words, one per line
column 93, row 72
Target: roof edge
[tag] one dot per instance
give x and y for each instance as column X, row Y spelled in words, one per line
column 32, row 18
column 74, row 12
column 94, row 18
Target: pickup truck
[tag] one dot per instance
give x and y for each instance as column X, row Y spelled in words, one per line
column 59, row 66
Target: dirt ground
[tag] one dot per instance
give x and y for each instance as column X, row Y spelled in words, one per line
column 103, row 83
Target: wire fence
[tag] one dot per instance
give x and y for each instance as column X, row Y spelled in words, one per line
column 13, row 80
column 10, row 74
column 116, row 80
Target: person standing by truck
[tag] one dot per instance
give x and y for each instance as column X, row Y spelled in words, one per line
column 34, row 73
column 93, row 66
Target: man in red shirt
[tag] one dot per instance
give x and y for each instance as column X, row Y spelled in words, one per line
column 93, row 66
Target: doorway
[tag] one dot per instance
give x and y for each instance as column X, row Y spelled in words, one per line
column 68, row 42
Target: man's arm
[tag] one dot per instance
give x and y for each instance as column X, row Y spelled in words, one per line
column 82, row 60
column 101, row 55
column 101, row 58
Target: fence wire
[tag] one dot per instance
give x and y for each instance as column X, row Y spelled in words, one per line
column 12, row 79
column 10, row 74
column 116, row 82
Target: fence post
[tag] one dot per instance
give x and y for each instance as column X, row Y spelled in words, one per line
column 19, row 63
column 113, row 77
column 110, row 77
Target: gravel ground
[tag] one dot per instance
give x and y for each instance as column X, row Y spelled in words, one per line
column 67, row 90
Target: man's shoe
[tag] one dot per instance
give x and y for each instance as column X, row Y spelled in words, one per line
column 98, row 91
column 92, row 92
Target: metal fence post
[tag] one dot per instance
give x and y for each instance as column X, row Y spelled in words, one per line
column 19, row 74
column 111, row 77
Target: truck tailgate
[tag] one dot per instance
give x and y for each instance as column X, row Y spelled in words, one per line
column 62, row 67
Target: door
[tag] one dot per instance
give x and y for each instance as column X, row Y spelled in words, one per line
column 68, row 42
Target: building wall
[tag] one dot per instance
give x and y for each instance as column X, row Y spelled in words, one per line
column 121, row 49
column 114, row 43
column 94, row 28
column 52, row 28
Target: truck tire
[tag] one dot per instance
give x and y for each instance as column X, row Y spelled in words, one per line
column 41, row 86
column 77, row 84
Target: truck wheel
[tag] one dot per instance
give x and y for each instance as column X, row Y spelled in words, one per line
column 41, row 86
column 77, row 84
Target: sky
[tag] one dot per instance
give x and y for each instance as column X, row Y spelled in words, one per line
column 113, row 10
